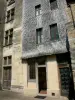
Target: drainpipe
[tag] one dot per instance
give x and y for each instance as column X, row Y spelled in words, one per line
column 69, row 5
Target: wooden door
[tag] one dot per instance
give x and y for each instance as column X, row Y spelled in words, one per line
column 42, row 80
column 65, row 80
column 6, row 77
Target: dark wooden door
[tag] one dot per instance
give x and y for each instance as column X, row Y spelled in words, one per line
column 65, row 80
column 42, row 80
column 6, row 77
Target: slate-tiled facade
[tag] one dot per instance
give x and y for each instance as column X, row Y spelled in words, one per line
column 44, row 20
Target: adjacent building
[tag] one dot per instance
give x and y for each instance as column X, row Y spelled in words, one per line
column 2, row 14
column 38, row 51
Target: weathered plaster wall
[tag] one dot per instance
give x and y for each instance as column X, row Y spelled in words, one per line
column 47, row 17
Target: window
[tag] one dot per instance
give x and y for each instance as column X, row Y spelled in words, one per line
column 70, row 1
column 32, row 70
column 7, row 60
column 8, row 37
column 10, row 14
column 54, row 32
column 39, row 36
column 11, row 2
column 53, row 4
column 11, row 36
column 38, row 10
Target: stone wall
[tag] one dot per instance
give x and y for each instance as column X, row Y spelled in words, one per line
column 70, row 11
column 17, row 68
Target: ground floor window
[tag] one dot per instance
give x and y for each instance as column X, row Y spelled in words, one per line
column 32, row 73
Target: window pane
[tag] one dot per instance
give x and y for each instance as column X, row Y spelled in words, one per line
column 32, row 70
column 9, row 60
column 53, row 4
column 5, row 60
column 10, row 39
column 8, row 16
column 6, row 40
column 54, row 32
column 12, row 13
column 11, row 31
column 37, row 10
column 11, row 2
column 39, row 36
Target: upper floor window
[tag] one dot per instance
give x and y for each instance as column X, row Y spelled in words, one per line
column 9, row 2
column 54, row 32
column 7, row 60
column 10, row 14
column 39, row 35
column 32, row 72
column 38, row 10
column 70, row 1
column 8, row 37
column 53, row 4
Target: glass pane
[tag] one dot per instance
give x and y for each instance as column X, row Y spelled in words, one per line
column 54, row 32
column 6, row 40
column 53, row 4
column 32, row 71
column 37, row 10
column 39, row 35
column 9, row 60
column 5, row 60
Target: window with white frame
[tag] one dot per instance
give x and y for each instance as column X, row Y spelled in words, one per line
column 32, row 72
column 7, row 60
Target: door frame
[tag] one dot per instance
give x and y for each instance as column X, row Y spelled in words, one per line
column 61, row 66
column 3, row 76
column 37, row 78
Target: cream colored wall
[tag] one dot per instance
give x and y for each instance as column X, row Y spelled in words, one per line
column 18, row 75
column 52, row 76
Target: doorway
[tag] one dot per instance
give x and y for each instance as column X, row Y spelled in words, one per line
column 42, row 80
column 6, row 77
column 65, row 80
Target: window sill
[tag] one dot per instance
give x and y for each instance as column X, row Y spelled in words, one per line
column 7, row 45
column 32, row 80
column 9, row 20
column 7, row 65
column 54, row 40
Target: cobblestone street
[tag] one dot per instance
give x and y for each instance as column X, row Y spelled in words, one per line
column 8, row 95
